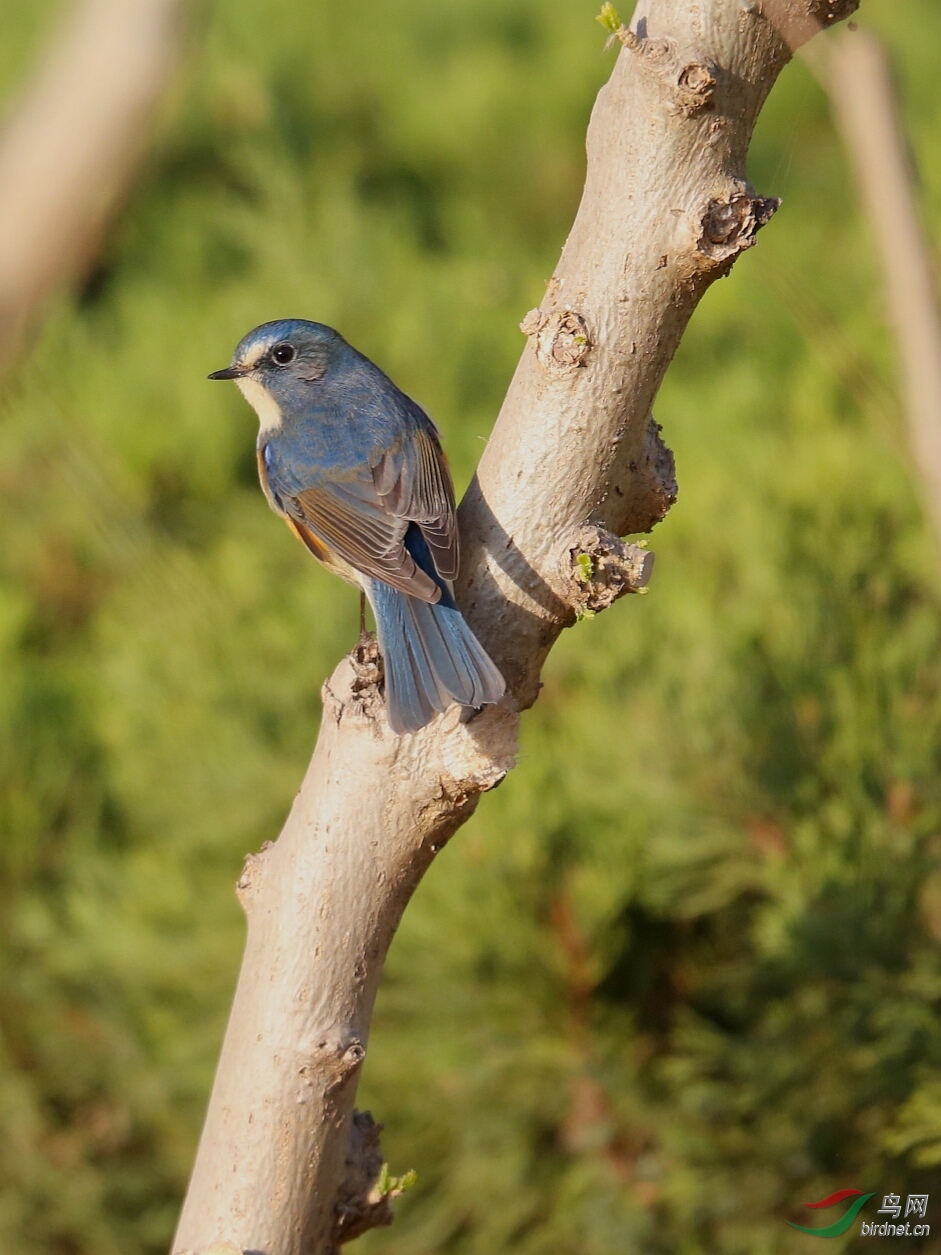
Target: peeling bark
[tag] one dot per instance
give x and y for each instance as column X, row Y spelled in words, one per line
column 575, row 462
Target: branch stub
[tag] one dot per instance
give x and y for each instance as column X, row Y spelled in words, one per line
column 602, row 568
column 361, row 1204
column 729, row 226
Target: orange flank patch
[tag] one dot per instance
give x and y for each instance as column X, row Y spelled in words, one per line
column 310, row 542
column 320, row 551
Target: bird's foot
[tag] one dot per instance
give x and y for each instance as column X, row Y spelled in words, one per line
column 367, row 663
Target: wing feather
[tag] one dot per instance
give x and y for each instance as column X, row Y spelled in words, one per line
column 369, row 541
column 364, row 519
column 414, row 483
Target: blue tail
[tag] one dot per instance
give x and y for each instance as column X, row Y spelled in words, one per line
column 431, row 656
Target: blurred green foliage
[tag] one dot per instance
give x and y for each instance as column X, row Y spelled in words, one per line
column 682, row 972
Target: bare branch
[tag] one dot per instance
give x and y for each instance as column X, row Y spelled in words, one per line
column 857, row 73
column 574, row 463
column 217, row 1248
column 70, row 146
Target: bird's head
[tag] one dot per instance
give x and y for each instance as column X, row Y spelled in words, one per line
column 278, row 360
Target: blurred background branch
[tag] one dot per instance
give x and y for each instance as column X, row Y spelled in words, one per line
column 73, row 141
column 858, row 75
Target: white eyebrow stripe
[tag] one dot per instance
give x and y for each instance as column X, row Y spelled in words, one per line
column 257, row 353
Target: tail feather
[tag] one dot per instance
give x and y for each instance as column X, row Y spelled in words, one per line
column 431, row 658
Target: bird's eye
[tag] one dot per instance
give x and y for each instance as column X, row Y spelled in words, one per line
column 281, row 354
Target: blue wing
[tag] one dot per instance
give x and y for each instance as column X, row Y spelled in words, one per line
column 364, row 517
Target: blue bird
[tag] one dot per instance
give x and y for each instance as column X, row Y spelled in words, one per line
column 357, row 471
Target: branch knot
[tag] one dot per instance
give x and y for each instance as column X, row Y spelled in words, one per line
column 603, row 568
column 690, row 83
column 729, row 226
column 252, row 871
column 561, row 339
column 695, row 85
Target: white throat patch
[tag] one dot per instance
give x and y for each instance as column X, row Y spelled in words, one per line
column 262, row 402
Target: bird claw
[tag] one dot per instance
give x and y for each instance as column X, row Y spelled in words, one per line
column 367, row 663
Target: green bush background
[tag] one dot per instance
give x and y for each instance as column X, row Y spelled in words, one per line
column 682, row 972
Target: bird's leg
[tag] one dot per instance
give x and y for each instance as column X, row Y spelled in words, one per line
column 367, row 647
column 367, row 662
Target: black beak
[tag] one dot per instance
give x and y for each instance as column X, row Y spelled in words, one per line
column 228, row 372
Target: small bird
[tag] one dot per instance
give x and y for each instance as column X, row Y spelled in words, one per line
column 357, row 471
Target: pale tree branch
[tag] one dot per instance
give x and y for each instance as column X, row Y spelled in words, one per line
column 856, row 71
column 575, row 462
column 69, row 147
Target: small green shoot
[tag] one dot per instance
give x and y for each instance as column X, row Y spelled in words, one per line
column 583, row 614
column 584, row 568
column 406, row 1181
column 609, row 19
column 390, row 1186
